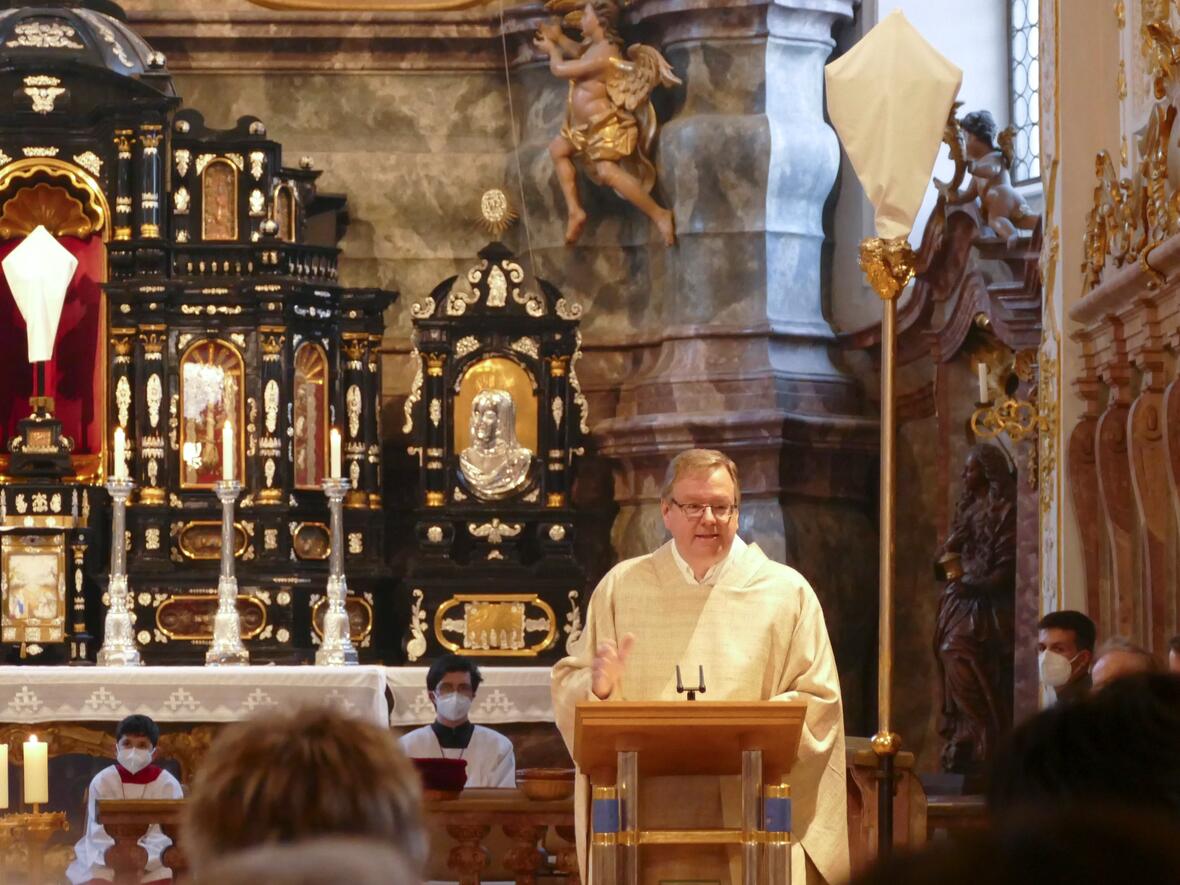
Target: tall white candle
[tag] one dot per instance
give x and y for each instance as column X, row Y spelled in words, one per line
column 981, row 372
column 36, row 771
column 334, row 462
column 3, row 775
column 120, row 453
column 227, row 450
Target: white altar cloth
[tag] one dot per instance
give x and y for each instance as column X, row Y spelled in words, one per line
column 185, row 694
column 506, row 694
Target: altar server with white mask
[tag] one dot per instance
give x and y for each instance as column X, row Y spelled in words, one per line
column 452, row 682
column 133, row 776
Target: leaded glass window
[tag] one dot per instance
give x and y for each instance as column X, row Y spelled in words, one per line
column 1024, row 88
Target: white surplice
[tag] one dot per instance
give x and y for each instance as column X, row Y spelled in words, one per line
column 90, row 852
column 491, row 761
column 759, row 633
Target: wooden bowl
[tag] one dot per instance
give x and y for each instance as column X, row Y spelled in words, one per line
column 545, row 784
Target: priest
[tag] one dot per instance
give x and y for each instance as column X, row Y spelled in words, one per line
column 706, row 598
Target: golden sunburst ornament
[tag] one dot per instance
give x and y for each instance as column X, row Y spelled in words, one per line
column 496, row 211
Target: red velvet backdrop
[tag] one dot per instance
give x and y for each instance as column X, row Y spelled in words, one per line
column 74, row 376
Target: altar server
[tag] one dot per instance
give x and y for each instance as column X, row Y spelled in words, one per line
column 133, row 776
column 452, row 682
column 707, row 599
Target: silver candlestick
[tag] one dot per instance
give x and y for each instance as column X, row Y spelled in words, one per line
column 336, row 648
column 227, row 645
column 118, row 635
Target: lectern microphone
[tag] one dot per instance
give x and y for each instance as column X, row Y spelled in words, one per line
column 692, row 691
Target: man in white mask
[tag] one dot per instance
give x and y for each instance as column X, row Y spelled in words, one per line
column 133, row 776
column 1065, row 650
column 452, row 682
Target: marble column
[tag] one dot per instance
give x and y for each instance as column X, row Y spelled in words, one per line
column 738, row 356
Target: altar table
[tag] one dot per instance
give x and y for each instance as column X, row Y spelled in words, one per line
column 185, row 694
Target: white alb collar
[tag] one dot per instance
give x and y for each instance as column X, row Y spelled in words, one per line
column 713, row 575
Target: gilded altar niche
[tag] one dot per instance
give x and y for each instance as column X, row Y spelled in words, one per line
column 311, row 415
column 212, row 376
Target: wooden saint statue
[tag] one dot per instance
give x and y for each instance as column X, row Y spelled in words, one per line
column 973, row 640
column 610, row 125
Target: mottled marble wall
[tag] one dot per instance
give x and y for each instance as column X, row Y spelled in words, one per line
column 720, row 341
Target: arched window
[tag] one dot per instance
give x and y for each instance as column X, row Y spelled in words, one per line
column 1024, row 87
column 311, row 415
column 211, row 383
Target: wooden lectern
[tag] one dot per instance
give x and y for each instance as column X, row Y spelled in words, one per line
column 756, row 739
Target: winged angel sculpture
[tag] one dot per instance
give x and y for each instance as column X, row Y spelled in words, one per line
column 610, row 124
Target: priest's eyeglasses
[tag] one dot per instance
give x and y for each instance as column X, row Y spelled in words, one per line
column 445, row 690
column 721, row 512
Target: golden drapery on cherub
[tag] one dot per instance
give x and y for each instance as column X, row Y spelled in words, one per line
column 610, row 125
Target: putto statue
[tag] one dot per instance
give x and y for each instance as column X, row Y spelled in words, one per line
column 610, row 125
column 1004, row 209
column 495, row 465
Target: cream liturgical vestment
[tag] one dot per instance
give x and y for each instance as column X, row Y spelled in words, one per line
column 116, row 782
column 760, row 635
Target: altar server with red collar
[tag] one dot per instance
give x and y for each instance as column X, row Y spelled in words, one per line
column 132, row 777
column 452, row 682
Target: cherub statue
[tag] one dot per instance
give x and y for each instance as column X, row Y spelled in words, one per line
column 1004, row 210
column 610, row 124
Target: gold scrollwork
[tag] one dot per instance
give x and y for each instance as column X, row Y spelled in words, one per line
column 888, row 264
column 1131, row 215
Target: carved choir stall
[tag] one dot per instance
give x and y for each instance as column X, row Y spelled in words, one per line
column 498, row 419
column 206, row 307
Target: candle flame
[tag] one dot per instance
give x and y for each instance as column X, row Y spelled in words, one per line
column 32, row 739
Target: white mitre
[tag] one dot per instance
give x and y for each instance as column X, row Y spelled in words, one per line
column 39, row 272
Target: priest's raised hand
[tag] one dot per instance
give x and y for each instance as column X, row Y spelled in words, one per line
column 610, row 661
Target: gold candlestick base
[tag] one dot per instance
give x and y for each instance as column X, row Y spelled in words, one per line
column 33, row 830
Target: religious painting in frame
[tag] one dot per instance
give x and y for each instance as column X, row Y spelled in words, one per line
column 211, row 380
column 219, row 201
column 33, row 588
column 310, row 398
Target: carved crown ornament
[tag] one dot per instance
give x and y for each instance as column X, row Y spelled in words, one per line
column 1132, row 215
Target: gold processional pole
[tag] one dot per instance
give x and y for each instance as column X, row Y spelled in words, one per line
column 889, row 266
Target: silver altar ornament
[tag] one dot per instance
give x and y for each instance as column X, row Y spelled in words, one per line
column 118, row 635
column 336, row 648
column 227, row 645
column 494, row 465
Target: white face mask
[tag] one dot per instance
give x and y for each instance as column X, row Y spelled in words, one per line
column 134, row 759
column 453, row 707
column 1055, row 668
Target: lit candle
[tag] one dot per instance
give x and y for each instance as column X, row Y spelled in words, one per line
column 981, row 372
column 335, row 459
column 3, row 775
column 120, row 453
column 227, row 451
column 36, row 771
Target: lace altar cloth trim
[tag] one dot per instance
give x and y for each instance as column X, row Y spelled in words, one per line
column 184, row 694
column 506, row 694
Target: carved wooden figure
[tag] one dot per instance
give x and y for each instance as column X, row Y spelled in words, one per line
column 610, row 125
column 973, row 640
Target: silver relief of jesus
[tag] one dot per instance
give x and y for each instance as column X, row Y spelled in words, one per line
column 494, row 465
